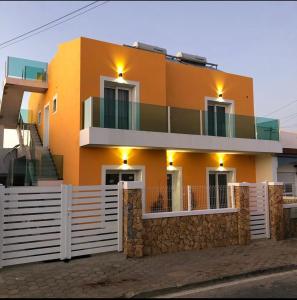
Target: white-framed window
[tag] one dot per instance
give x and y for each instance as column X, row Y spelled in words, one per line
column 39, row 118
column 218, row 192
column 55, row 103
column 288, row 189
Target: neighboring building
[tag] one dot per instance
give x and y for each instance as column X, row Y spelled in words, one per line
column 117, row 112
column 287, row 163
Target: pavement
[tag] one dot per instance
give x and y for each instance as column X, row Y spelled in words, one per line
column 112, row 275
column 276, row 285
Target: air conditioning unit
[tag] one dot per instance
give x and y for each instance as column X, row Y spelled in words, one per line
column 191, row 58
column 149, row 47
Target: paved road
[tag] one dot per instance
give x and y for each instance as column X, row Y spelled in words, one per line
column 280, row 285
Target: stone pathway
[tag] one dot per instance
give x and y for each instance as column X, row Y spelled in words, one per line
column 112, row 275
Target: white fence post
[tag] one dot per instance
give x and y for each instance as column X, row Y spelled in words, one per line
column 189, row 188
column 2, row 189
column 267, row 207
column 66, row 197
column 232, row 196
column 120, row 215
column 63, row 220
column 68, row 223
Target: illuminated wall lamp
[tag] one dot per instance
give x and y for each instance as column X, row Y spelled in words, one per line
column 171, row 163
column 120, row 74
column 221, row 164
column 220, row 95
column 125, row 161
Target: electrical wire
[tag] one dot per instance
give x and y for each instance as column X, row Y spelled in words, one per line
column 280, row 108
column 35, row 33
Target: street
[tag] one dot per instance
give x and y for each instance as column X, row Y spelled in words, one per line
column 279, row 285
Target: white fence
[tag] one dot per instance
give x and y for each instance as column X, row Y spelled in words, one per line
column 47, row 223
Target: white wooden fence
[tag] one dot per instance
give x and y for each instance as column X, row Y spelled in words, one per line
column 259, row 210
column 47, row 223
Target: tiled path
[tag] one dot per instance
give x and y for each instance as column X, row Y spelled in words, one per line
column 111, row 275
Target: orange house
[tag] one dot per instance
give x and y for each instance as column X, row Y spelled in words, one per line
column 118, row 112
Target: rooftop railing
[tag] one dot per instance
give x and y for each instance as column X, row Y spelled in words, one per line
column 118, row 114
column 26, row 69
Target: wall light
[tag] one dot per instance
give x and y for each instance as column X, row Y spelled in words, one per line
column 120, row 74
column 171, row 163
column 221, row 164
column 125, row 161
column 220, row 95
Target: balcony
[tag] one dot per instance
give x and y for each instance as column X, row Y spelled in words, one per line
column 124, row 123
column 28, row 74
column 21, row 75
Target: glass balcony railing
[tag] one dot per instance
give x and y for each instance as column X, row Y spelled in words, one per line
column 120, row 114
column 26, row 69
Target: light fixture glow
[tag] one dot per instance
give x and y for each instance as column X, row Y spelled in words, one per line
column 125, row 161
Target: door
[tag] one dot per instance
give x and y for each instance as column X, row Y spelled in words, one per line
column 169, row 192
column 116, row 107
column 216, row 120
column 174, row 189
column 218, row 190
column 46, row 127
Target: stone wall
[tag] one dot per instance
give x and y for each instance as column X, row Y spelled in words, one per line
column 133, row 225
column 290, row 224
column 275, row 196
column 241, row 194
column 165, row 235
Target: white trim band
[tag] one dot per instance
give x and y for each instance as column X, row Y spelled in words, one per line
column 290, row 205
column 189, row 213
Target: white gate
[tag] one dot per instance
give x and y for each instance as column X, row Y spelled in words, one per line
column 46, row 223
column 30, row 224
column 259, row 210
column 94, row 217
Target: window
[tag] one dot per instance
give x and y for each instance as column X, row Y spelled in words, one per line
column 55, row 104
column 116, row 107
column 288, row 189
column 113, row 177
column 39, row 118
column 218, row 189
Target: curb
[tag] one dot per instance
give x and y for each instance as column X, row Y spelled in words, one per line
column 223, row 279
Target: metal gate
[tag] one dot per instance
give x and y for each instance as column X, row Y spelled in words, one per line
column 259, row 210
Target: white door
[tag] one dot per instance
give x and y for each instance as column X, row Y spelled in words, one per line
column 46, row 127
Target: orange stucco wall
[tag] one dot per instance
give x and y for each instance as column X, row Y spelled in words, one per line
column 64, row 81
column 74, row 75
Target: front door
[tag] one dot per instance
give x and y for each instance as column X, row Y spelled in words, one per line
column 174, row 188
column 169, row 191
column 46, row 127
column 218, row 190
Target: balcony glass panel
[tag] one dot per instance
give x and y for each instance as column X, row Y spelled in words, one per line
column 121, row 114
column 26, row 69
column 184, row 120
column 267, row 129
column 228, row 125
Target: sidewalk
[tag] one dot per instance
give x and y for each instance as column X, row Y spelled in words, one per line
column 111, row 275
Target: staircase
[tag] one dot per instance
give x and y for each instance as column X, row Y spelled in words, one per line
column 44, row 164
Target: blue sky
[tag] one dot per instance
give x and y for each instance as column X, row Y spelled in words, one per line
column 257, row 39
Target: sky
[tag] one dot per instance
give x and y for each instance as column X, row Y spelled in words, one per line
column 256, row 39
